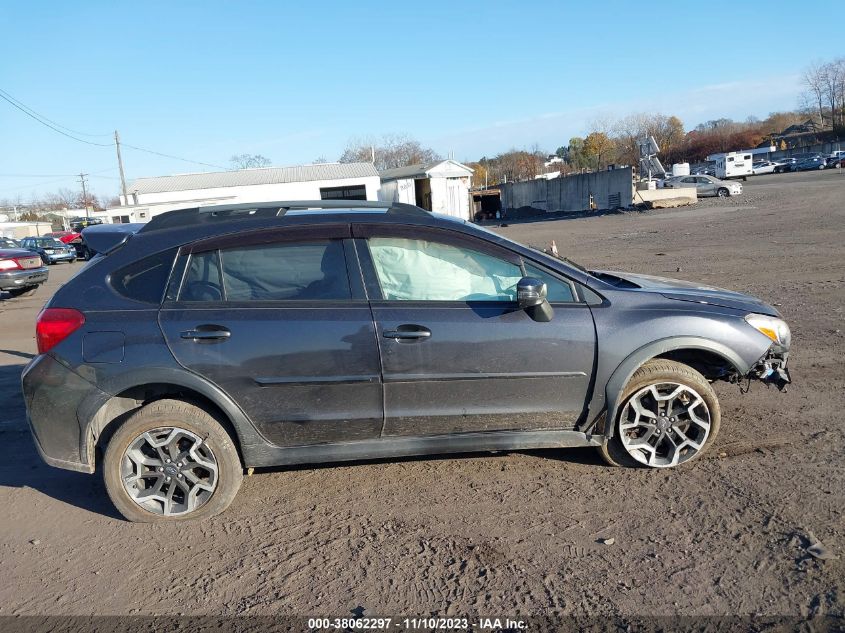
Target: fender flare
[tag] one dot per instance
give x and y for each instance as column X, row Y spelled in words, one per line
column 622, row 374
column 91, row 411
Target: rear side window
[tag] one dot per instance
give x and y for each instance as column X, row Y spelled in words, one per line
column 287, row 271
column 145, row 279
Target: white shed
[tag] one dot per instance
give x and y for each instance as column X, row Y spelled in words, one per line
column 440, row 187
column 149, row 197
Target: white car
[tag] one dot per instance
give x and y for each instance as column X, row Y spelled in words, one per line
column 763, row 167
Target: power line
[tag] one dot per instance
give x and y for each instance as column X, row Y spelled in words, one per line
column 186, row 160
column 49, row 125
column 41, row 116
column 56, row 128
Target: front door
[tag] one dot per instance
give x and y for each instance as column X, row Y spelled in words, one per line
column 457, row 354
column 279, row 324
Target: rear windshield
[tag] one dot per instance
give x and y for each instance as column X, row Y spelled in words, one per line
column 145, row 279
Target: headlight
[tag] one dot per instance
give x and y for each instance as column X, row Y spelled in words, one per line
column 773, row 327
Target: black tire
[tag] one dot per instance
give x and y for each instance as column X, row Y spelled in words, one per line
column 654, row 372
column 722, row 192
column 22, row 292
column 169, row 414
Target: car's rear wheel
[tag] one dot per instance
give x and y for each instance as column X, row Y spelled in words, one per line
column 171, row 460
column 723, row 192
column 669, row 416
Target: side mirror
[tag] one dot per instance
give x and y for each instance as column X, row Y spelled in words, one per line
column 531, row 297
column 530, row 292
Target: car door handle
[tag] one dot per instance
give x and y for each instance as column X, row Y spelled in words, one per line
column 408, row 332
column 206, row 335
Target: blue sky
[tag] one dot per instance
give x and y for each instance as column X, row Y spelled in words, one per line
column 297, row 81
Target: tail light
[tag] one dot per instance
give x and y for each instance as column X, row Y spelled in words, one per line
column 21, row 263
column 54, row 325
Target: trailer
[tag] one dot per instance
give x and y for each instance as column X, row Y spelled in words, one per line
column 734, row 165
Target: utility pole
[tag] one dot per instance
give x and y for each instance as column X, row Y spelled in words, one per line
column 84, row 194
column 120, row 165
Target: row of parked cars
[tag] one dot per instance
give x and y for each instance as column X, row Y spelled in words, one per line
column 23, row 264
column 799, row 162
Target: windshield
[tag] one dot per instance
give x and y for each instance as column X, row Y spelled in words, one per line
column 537, row 249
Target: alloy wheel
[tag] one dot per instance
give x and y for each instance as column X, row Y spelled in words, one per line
column 664, row 424
column 169, row 471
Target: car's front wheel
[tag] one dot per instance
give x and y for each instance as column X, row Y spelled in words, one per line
column 171, row 460
column 669, row 415
column 723, row 192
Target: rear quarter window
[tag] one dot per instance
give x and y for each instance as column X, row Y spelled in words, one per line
column 145, row 279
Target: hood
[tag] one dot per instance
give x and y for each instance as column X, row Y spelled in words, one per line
column 686, row 291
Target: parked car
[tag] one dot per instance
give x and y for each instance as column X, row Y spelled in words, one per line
column 706, row 185
column 74, row 239
column 763, row 167
column 216, row 339
column 21, row 271
column 784, row 165
column 50, row 249
column 8, row 242
column 838, row 154
column 78, row 224
column 809, row 164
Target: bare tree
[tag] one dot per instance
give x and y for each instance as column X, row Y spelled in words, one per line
column 814, row 80
column 249, row 161
column 388, row 152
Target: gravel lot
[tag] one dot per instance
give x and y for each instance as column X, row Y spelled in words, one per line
column 507, row 533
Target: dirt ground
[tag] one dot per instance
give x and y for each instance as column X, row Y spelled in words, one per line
column 505, row 533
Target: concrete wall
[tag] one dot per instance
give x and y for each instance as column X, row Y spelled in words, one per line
column 570, row 193
column 647, row 195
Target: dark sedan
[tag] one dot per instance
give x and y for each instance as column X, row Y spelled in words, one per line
column 809, row 164
column 50, row 249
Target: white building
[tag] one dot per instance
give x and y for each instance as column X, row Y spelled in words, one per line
column 441, row 187
column 149, row 197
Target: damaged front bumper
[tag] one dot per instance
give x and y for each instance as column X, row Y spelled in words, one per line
column 772, row 370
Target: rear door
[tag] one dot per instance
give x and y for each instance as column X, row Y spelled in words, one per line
column 280, row 322
column 457, row 353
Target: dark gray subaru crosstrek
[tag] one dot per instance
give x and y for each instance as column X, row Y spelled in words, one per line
column 216, row 339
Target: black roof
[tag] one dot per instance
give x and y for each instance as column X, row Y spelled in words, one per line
column 255, row 210
column 185, row 225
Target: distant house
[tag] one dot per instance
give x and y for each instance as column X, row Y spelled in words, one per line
column 149, row 197
column 441, row 187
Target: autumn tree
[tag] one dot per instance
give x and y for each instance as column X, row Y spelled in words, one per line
column 599, row 149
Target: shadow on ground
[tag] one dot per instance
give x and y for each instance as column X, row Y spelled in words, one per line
column 22, row 467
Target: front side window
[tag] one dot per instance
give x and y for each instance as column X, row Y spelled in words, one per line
column 292, row 271
column 422, row 270
column 557, row 291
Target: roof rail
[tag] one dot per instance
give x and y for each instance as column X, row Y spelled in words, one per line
column 251, row 210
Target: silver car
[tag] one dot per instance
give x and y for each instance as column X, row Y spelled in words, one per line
column 705, row 185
